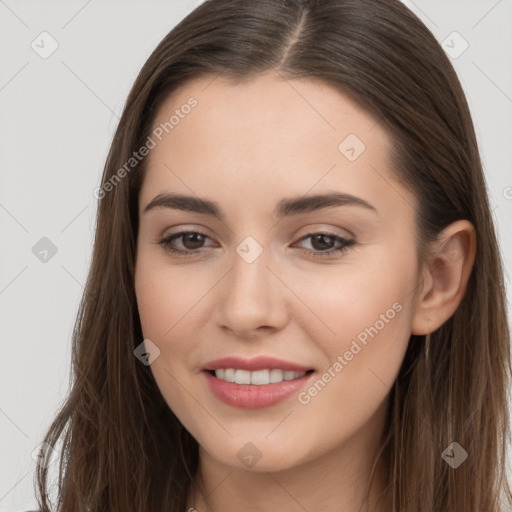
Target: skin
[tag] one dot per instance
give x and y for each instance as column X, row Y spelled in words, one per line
column 247, row 147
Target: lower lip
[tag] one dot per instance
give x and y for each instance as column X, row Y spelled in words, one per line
column 251, row 396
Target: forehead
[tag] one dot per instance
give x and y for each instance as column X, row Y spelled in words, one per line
column 295, row 108
column 268, row 134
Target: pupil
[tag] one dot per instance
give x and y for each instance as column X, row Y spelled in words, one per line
column 198, row 242
column 323, row 237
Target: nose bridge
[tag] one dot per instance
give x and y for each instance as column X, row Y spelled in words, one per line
column 249, row 276
column 250, row 298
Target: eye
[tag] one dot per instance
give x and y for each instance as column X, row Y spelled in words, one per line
column 325, row 240
column 191, row 240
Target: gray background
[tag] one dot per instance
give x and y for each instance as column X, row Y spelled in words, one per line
column 58, row 115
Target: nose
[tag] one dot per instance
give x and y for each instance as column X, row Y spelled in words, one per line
column 251, row 300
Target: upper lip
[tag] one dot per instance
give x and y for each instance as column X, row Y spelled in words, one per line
column 257, row 363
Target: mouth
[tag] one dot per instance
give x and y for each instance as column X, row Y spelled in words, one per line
column 258, row 377
column 254, row 383
column 257, row 389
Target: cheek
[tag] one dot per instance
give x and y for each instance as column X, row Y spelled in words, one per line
column 364, row 326
column 173, row 307
column 363, row 361
column 357, row 297
column 166, row 300
column 166, row 297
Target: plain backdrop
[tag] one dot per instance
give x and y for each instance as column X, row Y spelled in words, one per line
column 58, row 113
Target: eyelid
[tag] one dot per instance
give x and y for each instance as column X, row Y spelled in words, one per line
column 184, row 231
column 180, row 228
column 315, row 228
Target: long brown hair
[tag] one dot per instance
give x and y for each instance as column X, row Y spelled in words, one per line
column 123, row 449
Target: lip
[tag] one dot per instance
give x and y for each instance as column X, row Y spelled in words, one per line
column 250, row 396
column 257, row 363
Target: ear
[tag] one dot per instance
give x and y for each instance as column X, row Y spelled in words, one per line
column 445, row 277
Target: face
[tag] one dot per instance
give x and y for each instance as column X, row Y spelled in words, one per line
column 323, row 288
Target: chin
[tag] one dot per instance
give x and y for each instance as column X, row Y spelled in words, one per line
column 256, row 457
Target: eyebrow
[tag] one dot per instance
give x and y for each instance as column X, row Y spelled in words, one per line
column 287, row 207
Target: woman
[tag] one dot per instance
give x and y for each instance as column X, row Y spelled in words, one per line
column 296, row 298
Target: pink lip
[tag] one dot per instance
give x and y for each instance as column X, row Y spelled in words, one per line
column 251, row 396
column 257, row 363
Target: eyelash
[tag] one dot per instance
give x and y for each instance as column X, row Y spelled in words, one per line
column 166, row 243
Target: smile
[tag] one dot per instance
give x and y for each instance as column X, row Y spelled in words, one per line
column 255, row 389
column 258, row 377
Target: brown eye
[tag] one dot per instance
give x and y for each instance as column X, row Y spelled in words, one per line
column 324, row 243
column 191, row 242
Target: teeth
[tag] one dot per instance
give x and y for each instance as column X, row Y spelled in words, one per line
column 258, row 377
column 242, row 377
column 276, row 375
column 229, row 375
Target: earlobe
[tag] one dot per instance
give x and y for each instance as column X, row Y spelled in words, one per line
column 445, row 277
